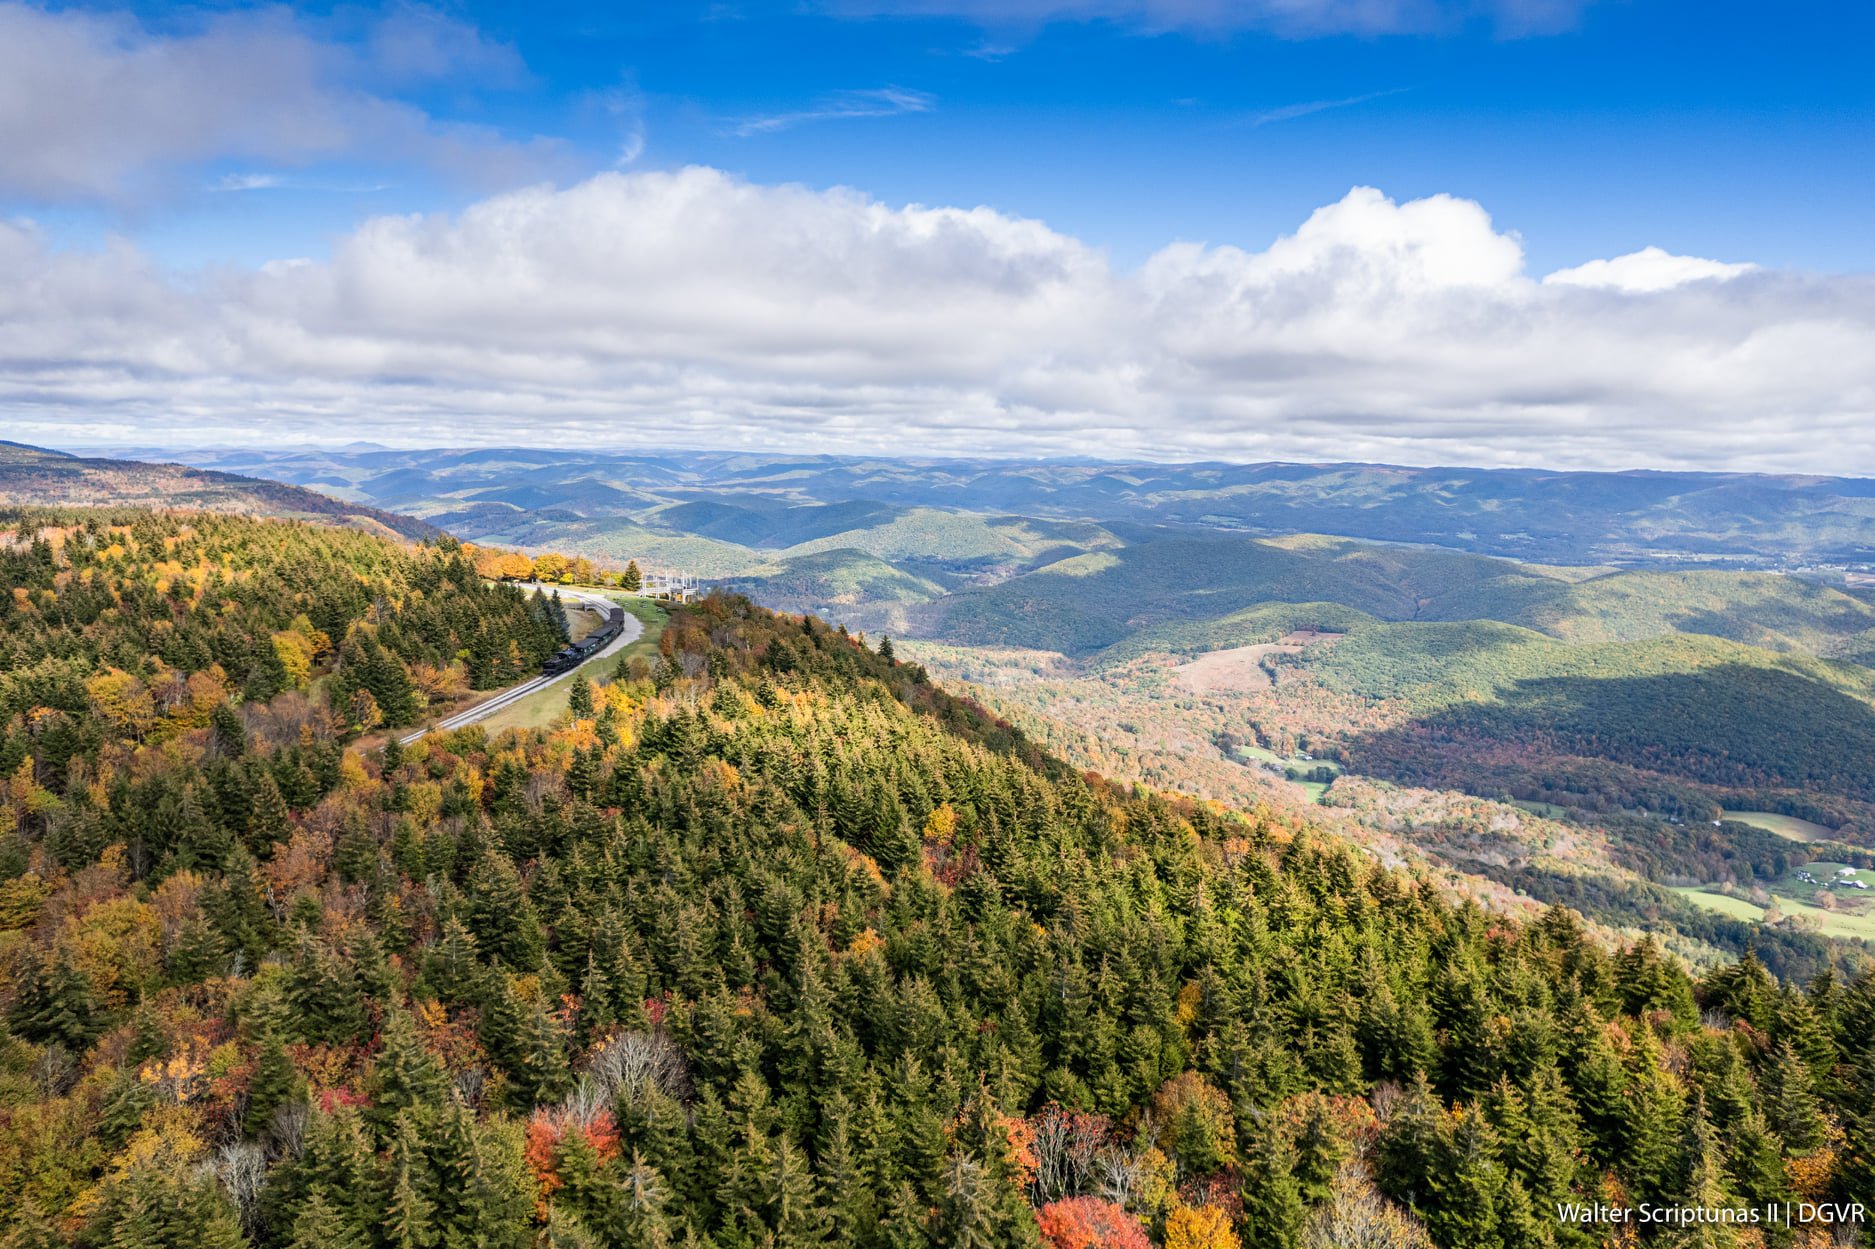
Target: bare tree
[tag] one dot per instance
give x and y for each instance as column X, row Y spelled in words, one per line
column 629, row 1062
column 1356, row 1216
column 1067, row 1148
column 288, row 1128
column 241, row 1168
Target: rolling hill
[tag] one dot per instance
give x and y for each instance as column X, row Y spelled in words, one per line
column 1733, row 519
column 35, row 477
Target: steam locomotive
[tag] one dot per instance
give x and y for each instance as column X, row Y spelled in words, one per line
column 574, row 654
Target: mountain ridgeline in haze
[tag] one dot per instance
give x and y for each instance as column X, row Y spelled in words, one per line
column 769, row 502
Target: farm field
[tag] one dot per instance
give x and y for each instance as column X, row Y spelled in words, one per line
column 1783, row 825
column 1852, row 916
column 1299, row 764
column 1723, row 903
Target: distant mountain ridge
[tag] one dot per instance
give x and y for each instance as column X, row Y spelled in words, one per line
column 771, row 501
column 39, row 477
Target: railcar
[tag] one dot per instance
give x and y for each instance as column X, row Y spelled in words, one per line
column 573, row 654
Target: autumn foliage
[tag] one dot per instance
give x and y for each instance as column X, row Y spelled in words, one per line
column 1089, row 1223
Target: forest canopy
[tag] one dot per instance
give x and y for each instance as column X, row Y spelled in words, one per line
column 770, row 943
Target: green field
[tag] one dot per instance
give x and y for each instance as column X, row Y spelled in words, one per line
column 1823, row 871
column 1315, row 789
column 1723, row 903
column 1783, row 825
column 1854, row 917
column 545, row 706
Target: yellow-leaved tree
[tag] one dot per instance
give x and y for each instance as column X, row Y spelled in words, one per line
column 1199, row 1227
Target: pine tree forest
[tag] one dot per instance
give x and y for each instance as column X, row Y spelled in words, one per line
column 770, row 944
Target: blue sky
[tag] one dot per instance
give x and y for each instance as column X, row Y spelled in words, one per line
column 1589, row 233
column 1728, row 129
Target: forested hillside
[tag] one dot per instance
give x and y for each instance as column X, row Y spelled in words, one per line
column 138, row 626
column 35, row 477
column 774, row 943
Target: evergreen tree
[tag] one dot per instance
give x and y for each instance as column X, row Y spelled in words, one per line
column 404, row 1078
column 276, row 1082
column 1320, row 1151
column 1272, row 1196
column 319, row 1226
column 1792, row 1108
column 269, row 820
column 56, row 1005
column 499, row 914
column 579, row 698
column 230, row 735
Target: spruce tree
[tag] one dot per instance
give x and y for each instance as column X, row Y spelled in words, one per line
column 1792, row 1108
column 579, row 699
column 276, row 1082
column 404, row 1077
column 319, row 1226
column 408, row 1214
column 500, row 915
column 268, row 820
column 57, row 1005
column 1320, row 1150
column 1272, row 1197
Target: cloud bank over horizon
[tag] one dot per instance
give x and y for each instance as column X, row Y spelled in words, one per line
column 694, row 308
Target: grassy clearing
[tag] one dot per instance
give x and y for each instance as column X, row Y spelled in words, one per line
column 1783, row 825
column 1548, row 810
column 1856, row 923
column 1723, row 903
column 1259, row 754
column 1292, row 768
column 543, row 707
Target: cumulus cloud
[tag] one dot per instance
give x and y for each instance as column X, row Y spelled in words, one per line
column 1293, row 18
column 694, row 308
column 100, row 108
column 1650, row 269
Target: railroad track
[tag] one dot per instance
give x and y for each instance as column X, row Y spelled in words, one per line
column 632, row 630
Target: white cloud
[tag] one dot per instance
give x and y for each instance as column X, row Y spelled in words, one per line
column 1308, row 108
column 248, row 182
column 839, row 106
column 694, row 308
column 1646, row 271
column 1292, row 18
column 99, row 108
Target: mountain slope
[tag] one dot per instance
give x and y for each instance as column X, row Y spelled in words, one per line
column 34, row 477
column 839, row 578
column 784, row 945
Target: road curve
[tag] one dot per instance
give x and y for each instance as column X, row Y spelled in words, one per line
column 633, row 629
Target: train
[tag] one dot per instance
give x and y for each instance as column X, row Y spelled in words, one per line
column 573, row 654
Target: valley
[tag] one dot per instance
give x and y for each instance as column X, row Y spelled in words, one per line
column 1405, row 743
column 1135, row 619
